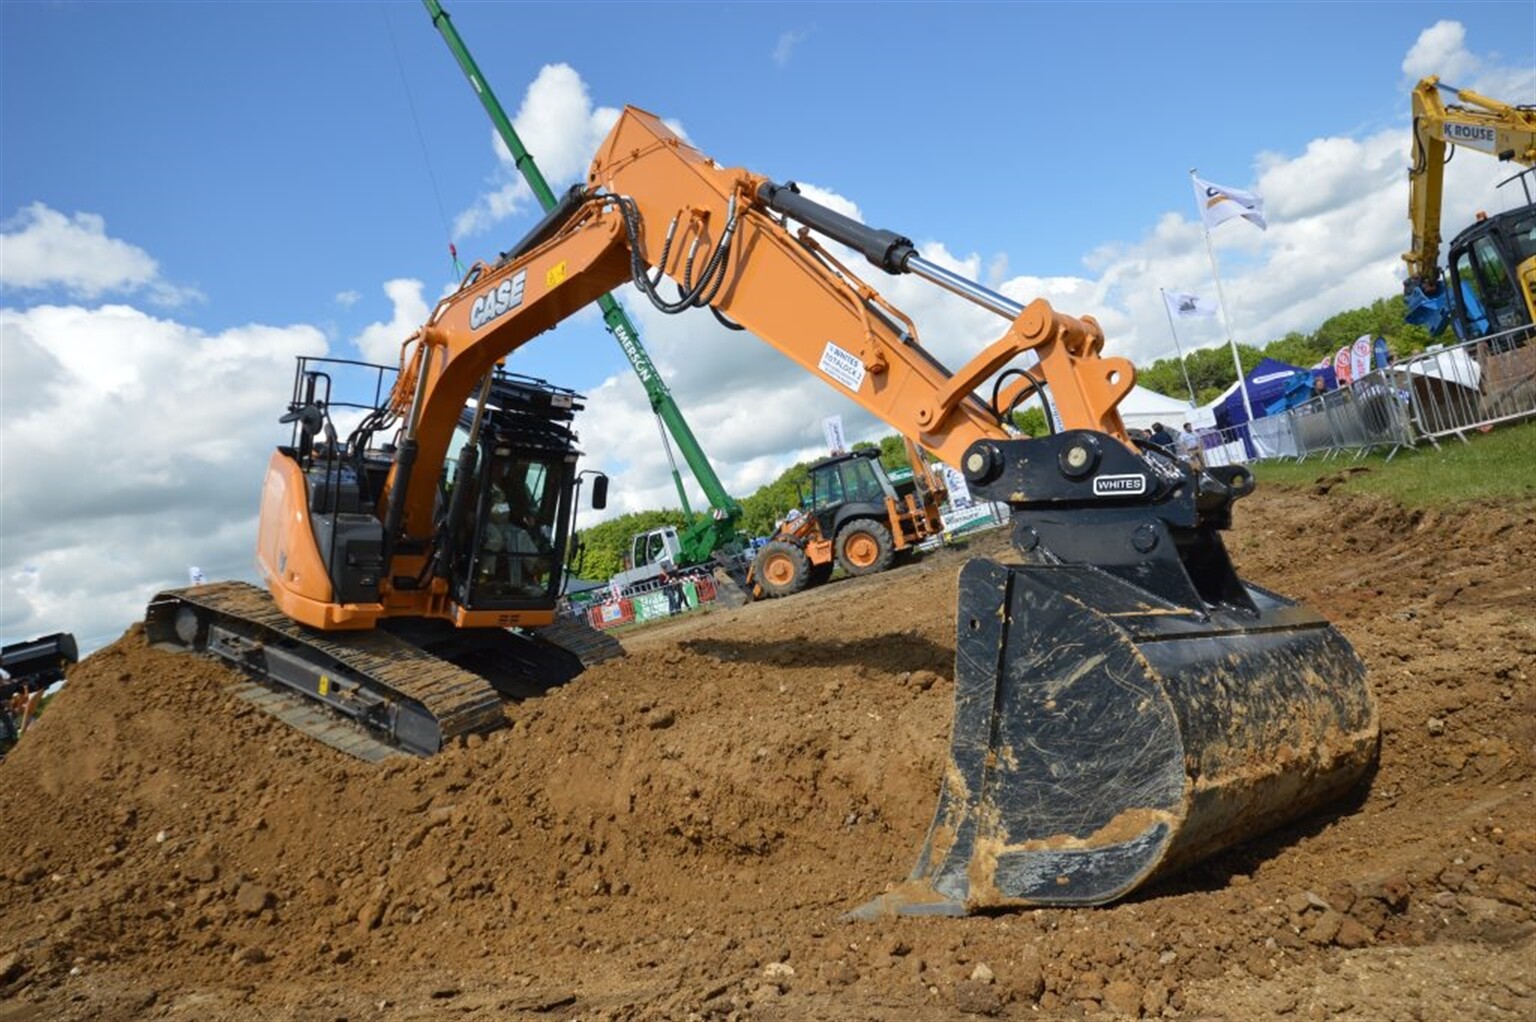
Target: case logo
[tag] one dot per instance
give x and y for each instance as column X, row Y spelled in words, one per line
column 507, row 296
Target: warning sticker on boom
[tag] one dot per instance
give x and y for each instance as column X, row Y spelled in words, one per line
column 843, row 366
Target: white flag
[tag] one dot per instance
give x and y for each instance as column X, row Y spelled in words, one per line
column 1218, row 204
column 833, row 427
column 1188, row 306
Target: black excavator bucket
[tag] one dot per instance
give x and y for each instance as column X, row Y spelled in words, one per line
column 1115, row 722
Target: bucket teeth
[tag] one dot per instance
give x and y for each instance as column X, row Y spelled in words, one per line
column 1104, row 737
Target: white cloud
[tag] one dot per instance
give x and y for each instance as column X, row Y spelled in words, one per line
column 380, row 342
column 133, row 447
column 42, row 248
column 1441, row 50
column 347, row 299
column 560, row 127
column 784, row 49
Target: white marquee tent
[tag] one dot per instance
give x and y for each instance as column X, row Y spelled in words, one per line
column 1142, row 407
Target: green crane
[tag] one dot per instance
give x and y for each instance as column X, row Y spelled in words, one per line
column 706, row 533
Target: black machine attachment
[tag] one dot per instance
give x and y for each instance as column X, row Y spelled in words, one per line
column 1124, row 703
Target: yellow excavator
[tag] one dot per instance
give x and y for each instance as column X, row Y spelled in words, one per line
column 1492, row 263
column 1125, row 703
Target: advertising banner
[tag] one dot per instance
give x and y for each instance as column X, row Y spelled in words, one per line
column 1360, row 357
column 1342, row 360
column 954, row 482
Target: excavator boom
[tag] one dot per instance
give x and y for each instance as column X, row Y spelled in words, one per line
column 1479, row 124
column 1124, row 702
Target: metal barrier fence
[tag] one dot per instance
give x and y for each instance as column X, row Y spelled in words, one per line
column 1230, row 446
column 662, row 600
column 1446, row 391
column 1369, row 413
column 1472, row 385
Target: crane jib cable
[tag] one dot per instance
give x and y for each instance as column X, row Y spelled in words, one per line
column 421, row 139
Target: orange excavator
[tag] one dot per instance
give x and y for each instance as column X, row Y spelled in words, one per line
column 1125, row 704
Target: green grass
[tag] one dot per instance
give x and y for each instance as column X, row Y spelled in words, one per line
column 1500, row 465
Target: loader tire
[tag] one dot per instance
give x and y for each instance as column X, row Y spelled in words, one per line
column 864, row 547
column 782, row 569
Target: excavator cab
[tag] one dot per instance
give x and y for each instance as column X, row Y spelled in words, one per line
column 521, row 486
column 1486, row 262
column 510, row 560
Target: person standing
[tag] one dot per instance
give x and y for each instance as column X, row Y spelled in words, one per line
column 674, row 590
column 1189, row 443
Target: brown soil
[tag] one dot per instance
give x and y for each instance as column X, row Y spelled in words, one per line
column 677, row 833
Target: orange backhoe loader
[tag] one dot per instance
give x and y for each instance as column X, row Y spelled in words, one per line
column 856, row 518
column 1125, row 703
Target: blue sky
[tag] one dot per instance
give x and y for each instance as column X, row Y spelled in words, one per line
column 266, row 154
column 193, row 193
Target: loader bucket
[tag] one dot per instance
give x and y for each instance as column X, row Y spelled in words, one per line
column 1104, row 738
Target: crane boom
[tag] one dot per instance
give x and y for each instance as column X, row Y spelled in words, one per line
column 710, row 532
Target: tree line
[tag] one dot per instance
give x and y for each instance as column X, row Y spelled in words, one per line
column 1211, row 370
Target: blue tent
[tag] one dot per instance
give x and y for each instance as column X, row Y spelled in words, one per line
column 1268, row 384
column 1299, row 389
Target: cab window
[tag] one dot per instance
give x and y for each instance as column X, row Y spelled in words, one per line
column 828, row 489
column 1522, row 238
column 1471, row 294
column 860, row 482
column 1497, row 288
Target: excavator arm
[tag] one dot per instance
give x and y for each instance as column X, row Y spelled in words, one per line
column 1474, row 122
column 654, row 206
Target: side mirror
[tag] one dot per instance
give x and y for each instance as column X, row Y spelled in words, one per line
column 599, row 492
column 309, row 417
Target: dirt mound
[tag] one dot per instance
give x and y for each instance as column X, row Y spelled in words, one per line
column 679, row 831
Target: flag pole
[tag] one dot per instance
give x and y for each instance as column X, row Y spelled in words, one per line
column 1221, row 300
column 1177, row 349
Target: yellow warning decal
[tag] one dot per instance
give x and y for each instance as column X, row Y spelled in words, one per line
column 556, row 275
column 325, row 684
